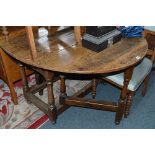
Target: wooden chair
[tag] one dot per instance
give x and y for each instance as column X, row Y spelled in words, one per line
column 149, row 32
column 140, row 75
column 9, row 70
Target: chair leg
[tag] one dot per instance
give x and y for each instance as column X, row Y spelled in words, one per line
column 128, row 104
column 146, row 80
column 13, row 92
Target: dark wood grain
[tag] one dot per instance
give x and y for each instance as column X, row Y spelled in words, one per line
column 63, row 55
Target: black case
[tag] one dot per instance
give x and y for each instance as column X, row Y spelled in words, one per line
column 93, row 46
column 98, row 38
column 98, row 31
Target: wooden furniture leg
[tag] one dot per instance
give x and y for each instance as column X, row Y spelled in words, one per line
column 94, row 85
column 39, row 80
column 5, row 32
column 12, row 92
column 121, row 106
column 24, row 81
column 51, row 101
column 31, row 42
column 144, row 90
column 77, row 32
column 63, row 94
column 128, row 104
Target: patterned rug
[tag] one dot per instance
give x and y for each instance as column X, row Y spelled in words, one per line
column 23, row 115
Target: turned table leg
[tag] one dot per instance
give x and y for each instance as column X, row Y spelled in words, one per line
column 63, row 93
column 39, row 80
column 24, row 81
column 122, row 100
column 51, row 101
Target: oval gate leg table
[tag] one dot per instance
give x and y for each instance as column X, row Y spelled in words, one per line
column 64, row 56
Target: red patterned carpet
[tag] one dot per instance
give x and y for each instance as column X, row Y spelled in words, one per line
column 23, row 115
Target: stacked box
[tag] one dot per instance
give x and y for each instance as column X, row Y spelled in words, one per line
column 99, row 38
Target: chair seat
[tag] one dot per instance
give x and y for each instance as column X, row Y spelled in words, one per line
column 139, row 74
column 151, row 28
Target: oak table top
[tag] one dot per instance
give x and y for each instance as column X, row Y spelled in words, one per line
column 62, row 54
